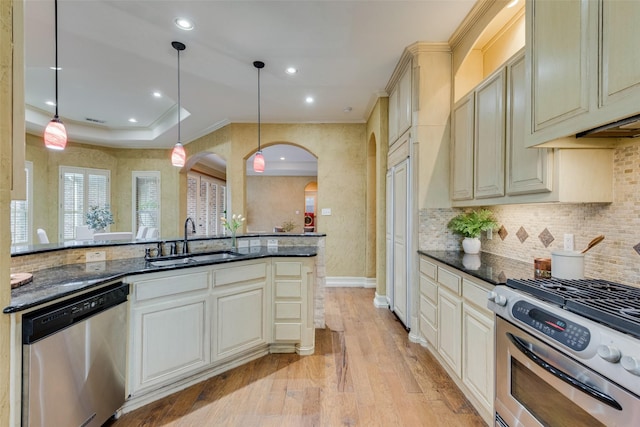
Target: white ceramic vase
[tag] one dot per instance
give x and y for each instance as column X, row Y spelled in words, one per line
column 471, row 245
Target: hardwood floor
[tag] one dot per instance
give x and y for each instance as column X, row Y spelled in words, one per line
column 364, row 372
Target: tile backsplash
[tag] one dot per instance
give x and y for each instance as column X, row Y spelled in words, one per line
column 614, row 259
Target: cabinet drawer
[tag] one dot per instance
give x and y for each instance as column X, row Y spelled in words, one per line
column 288, row 269
column 429, row 289
column 429, row 311
column 170, row 285
column 449, row 280
column 243, row 273
column 428, row 331
column 476, row 295
column 287, row 331
column 288, row 310
column 428, row 269
column 288, row 289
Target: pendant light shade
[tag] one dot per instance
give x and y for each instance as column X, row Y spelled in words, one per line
column 258, row 159
column 55, row 135
column 178, row 154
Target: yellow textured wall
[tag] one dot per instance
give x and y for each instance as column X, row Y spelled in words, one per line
column 271, row 200
column 504, row 45
column 6, row 114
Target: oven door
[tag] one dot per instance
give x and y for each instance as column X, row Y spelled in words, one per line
column 536, row 385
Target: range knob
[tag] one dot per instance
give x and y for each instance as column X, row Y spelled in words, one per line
column 631, row 364
column 491, row 296
column 500, row 300
column 609, row 353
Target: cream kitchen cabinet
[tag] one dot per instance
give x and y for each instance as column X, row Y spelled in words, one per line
column 478, row 353
column 293, row 305
column 463, row 327
column 170, row 328
column 400, row 103
column 583, row 66
column 428, row 321
column 462, row 148
column 239, row 309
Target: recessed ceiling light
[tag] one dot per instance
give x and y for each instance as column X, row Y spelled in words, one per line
column 309, row 100
column 53, row 104
column 348, row 109
column 157, row 94
column 54, row 68
column 184, row 24
column 281, row 158
column 291, row 70
column 513, row 3
column 133, row 120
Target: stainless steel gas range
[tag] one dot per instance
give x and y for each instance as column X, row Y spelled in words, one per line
column 567, row 353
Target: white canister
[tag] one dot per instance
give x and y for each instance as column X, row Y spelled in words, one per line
column 567, row 265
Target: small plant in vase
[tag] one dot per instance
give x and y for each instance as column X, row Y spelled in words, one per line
column 288, row 226
column 233, row 225
column 470, row 225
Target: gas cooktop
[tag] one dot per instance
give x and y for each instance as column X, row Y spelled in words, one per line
column 612, row 304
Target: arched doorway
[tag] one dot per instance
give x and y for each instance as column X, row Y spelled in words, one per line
column 276, row 198
column 207, row 193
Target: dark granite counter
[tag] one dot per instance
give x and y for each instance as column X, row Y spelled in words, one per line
column 54, row 283
column 491, row 268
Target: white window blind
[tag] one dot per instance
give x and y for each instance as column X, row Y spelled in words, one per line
column 146, row 199
column 205, row 202
column 80, row 188
column 22, row 212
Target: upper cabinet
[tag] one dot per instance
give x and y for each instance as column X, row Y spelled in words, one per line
column 583, row 66
column 400, row 105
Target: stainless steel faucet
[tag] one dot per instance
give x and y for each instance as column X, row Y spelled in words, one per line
column 185, row 246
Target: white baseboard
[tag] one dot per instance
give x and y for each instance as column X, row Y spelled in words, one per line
column 350, row 282
column 381, row 301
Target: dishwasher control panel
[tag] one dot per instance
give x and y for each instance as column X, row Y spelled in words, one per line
column 46, row 321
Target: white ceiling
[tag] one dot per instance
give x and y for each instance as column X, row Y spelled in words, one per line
column 114, row 54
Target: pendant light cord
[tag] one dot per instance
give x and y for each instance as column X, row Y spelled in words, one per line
column 258, row 109
column 179, row 96
column 55, row 8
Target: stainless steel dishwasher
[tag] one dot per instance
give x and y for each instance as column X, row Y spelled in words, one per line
column 74, row 356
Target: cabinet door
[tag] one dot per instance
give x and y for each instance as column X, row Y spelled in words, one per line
column 528, row 169
column 404, row 101
column 239, row 319
column 489, row 137
column 450, row 329
column 478, row 355
column 393, row 116
column 400, row 241
column 620, row 56
column 429, row 310
column 170, row 340
column 558, row 51
column 462, row 149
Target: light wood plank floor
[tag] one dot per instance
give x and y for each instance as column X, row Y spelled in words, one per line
column 364, row 372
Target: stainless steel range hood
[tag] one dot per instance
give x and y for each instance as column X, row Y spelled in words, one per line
column 625, row 128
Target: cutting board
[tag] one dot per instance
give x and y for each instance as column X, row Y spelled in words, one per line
column 19, row 279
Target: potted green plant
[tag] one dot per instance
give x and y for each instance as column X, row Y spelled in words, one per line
column 470, row 225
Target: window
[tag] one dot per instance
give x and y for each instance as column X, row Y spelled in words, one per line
column 145, row 199
column 79, row 189
column 22, row 212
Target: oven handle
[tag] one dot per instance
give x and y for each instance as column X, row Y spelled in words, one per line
column 593, row 392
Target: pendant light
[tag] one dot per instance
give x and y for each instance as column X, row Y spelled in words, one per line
column 178, row 155
column 55, row 135
column 258, row 159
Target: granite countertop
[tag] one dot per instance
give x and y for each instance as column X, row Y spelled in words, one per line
column 58, row 282
column 494, row 269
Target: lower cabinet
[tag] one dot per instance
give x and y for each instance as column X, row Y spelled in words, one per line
column 189, row 324
column 170, row 328
column 462, row 335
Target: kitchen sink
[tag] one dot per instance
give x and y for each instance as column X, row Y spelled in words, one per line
column 169, row 262
column 217, row 256
column 214, row 257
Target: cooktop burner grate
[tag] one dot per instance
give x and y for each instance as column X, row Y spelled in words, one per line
column 612, row 304
column 620, row 314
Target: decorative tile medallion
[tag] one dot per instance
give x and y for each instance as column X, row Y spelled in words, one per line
column 522, row 234
column 637, row 248
column 546, row 238
column 502, row 232
column 502, row 278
